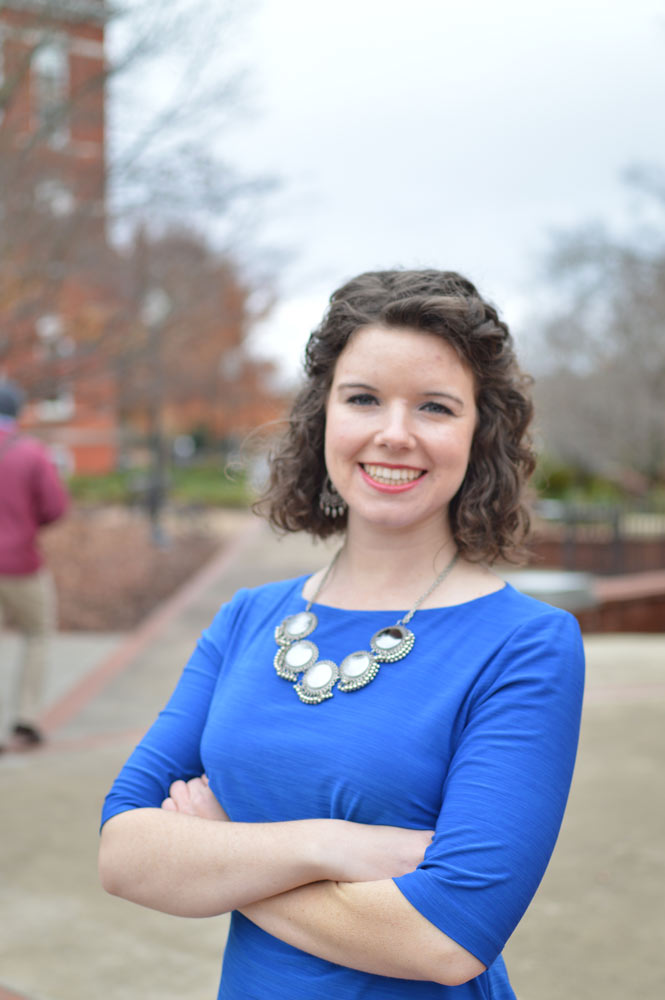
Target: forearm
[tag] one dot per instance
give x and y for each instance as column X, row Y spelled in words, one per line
column 194, row 867
column 368, row 926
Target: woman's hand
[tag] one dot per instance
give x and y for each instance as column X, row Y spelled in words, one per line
column 194, row 798
column 357, row 852
column 347, row 851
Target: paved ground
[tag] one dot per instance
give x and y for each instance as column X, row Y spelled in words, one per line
column 594, row 932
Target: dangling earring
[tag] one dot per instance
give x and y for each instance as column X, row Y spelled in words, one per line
column 330, row 502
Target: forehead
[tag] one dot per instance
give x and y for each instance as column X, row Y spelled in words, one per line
column 385, row 350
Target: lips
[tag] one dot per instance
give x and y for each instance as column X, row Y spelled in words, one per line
column 392, row 476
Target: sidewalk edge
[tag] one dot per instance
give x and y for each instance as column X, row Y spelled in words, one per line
column 116, row 662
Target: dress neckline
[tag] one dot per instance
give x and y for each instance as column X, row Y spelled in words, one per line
column 398, row 612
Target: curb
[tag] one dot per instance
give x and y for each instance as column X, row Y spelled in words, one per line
column 7, row 995
column 71, row 703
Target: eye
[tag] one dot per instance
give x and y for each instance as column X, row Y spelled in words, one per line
column 433, row 407
column 362, row 399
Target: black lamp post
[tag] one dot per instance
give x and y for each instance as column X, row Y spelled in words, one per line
column 154, row 313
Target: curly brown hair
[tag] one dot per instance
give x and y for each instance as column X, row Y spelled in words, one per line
column 488, row 516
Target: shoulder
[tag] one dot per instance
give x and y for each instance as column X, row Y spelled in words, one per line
column 508, row 624
column 31, row 449
column 257, row 602
column 22, row 453
column 509, row 632
column 269, row 594
column 540, row 641
column 527, row 616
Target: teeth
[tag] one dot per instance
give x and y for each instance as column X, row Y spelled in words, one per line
column 383, row 474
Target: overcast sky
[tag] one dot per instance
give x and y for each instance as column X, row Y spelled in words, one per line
column 442, row 134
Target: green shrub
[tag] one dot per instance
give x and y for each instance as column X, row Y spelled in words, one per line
column 207, row 484
column 555, row 480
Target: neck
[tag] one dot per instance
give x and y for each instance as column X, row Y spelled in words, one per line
column 397, row 566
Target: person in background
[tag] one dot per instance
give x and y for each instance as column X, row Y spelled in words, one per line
column 31, row 496
column 369, row 766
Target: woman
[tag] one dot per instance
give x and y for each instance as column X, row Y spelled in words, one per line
column 388, row 744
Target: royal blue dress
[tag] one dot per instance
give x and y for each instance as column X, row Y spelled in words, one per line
column 473, row 734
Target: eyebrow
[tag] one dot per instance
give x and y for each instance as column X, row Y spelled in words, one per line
column 445, row 395
column 428, row 393
column 357, row 385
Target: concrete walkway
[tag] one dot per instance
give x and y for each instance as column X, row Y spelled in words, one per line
column 594, row 932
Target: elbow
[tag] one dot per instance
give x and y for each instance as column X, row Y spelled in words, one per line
column 112, row 858
column 457, row 966
column 108, row 883
column 108, row 871
column 439, row 959
column 461, row 976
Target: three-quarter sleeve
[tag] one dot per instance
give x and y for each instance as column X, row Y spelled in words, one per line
column 505, row 790
column 171, row 749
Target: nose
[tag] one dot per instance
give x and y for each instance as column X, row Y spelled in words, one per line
column 395, row 431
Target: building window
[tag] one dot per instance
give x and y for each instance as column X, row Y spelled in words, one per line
column 55, row 197
column 50, row 79
column 56, row 410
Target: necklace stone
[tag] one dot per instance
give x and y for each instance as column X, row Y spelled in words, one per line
column 297, row 657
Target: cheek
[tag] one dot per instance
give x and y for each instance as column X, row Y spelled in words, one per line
column 455, row 448
column 333, row 442
column 468, row 442
column 342, row 432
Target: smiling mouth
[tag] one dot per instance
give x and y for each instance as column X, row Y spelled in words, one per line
column 392, row 477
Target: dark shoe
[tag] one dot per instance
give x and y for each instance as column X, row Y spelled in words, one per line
column 27, row 735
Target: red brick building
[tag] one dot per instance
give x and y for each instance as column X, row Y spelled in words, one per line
column 52, row 211
column 73, row 327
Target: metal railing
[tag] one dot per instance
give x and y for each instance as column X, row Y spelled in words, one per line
column 603, row 538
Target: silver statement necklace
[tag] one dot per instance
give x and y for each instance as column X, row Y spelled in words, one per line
column 299, row 655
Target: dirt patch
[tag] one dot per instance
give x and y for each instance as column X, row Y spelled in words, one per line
column 109, row 574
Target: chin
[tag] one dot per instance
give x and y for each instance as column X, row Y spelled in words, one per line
column 395, row 521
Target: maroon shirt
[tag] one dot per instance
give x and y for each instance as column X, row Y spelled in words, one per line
column 31, row 495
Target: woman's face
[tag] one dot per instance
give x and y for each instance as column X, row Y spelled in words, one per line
column 400, row 419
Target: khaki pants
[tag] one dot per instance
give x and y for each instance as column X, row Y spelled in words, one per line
column 30, row 601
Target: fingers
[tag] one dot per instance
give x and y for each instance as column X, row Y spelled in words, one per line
column 194, row 798
column 181, row 796
column 204, row 801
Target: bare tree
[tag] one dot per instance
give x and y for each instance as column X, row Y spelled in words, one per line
column 93, row 144
column 191, row 347
column 601, row 383
column 173, row 91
